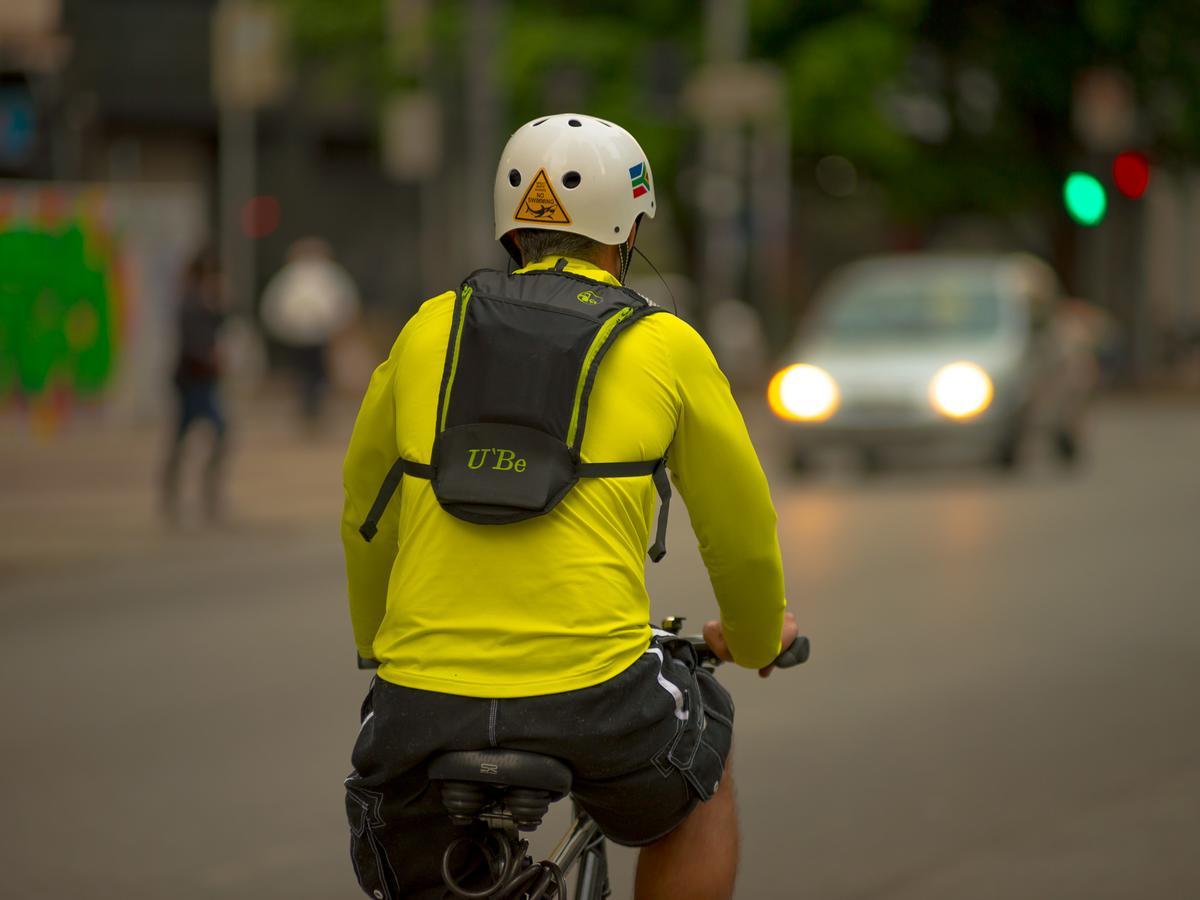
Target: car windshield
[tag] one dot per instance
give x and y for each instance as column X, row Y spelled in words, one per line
column 922, row 306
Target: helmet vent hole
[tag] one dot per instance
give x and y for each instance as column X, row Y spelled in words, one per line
column 537, row 123
column 514, row 177
column 574, row 123
column 571, row 180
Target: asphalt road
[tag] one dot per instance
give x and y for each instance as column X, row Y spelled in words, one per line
column 1003, row 700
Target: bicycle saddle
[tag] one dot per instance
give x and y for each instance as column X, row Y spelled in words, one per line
column 527, row 783
column 504, row 768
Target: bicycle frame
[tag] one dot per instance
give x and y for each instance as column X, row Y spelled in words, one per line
column 584, row 844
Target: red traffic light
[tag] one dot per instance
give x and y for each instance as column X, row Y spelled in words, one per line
column 1131, row 173
column 260, row 216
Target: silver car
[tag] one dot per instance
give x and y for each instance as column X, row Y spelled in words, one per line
column 925, row 350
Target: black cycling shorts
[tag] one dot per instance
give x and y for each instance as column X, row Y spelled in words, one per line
column 644, row 747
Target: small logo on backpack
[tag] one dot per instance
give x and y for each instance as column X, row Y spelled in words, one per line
column 588, row 297
column 489, row 769
column 502, row 460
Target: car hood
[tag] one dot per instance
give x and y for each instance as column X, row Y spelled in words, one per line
column 888, row 365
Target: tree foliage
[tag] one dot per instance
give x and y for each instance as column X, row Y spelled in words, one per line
column 947, row 105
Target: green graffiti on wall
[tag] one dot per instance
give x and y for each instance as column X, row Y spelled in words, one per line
column 59, row 311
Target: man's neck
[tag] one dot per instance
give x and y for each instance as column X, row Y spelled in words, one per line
column 609, row 260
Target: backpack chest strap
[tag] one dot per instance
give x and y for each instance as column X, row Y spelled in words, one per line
column 656, row 468
column 391, row 481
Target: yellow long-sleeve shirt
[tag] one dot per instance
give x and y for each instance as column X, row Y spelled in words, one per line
column 557, row 602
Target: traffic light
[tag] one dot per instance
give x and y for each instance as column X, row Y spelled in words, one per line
column 1085, row 198
column 1131, row 173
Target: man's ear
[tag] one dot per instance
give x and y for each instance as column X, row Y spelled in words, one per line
column 511, row 244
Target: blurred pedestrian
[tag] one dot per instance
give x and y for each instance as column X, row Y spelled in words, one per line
column 308, row 303
column 196, row 379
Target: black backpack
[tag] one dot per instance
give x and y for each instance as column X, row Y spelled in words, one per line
column 522, row 358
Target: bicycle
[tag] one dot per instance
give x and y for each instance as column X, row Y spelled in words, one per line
column 505, row 793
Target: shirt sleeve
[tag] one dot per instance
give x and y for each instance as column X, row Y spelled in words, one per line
column 372, row 451
column 715, row 468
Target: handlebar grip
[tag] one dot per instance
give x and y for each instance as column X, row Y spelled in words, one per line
column 796, row 653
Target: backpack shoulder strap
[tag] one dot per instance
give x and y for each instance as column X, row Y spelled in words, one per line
column 656, row 468
column 604, row 340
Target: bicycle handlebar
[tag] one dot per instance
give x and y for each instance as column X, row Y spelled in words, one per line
column 795, row 653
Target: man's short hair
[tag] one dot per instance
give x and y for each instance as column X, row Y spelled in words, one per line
column 538, row 243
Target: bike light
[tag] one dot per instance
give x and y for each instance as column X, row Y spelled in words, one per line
column 803, row 393
column 960, row 390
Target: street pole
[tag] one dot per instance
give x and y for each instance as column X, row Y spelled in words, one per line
column 484, row 116
column 247, row 72
column 770, row 204
column 237, row 162
column 722, row 153
column 745, row 181
column 413, row 144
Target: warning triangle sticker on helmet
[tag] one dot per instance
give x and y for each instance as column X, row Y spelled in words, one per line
column 540, row 204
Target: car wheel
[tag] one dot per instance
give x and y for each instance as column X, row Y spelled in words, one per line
column 1066, row 448
column 801, row 463
column 871, row 461
column 1006, row 456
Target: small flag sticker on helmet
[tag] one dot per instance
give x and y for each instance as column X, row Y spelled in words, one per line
column 639, row 178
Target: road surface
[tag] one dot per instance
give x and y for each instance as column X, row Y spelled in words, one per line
column 1003, row 699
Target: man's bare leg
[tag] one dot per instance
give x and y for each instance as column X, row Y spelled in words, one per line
column 697, row 860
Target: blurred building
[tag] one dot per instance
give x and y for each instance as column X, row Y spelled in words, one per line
column 103, row 91
column 762, row 196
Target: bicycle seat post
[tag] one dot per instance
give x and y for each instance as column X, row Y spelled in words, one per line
column 510, row 792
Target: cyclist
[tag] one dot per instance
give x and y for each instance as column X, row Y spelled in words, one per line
column 533, row 635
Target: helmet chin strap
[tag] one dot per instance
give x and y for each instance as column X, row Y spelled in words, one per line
column 625, row 249
column 625, row 252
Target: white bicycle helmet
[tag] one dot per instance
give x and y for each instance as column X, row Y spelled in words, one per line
column 575, row 173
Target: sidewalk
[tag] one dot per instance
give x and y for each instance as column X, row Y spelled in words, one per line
column 91, row 492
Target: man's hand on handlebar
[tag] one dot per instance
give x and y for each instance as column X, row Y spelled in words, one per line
column 714, row 636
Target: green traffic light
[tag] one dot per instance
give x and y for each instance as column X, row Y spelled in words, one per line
column 1085, row 198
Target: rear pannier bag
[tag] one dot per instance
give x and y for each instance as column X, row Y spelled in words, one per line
column 520, row 364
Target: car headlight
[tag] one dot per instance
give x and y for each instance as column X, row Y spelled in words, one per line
column 961, row 390
column 803, row 393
